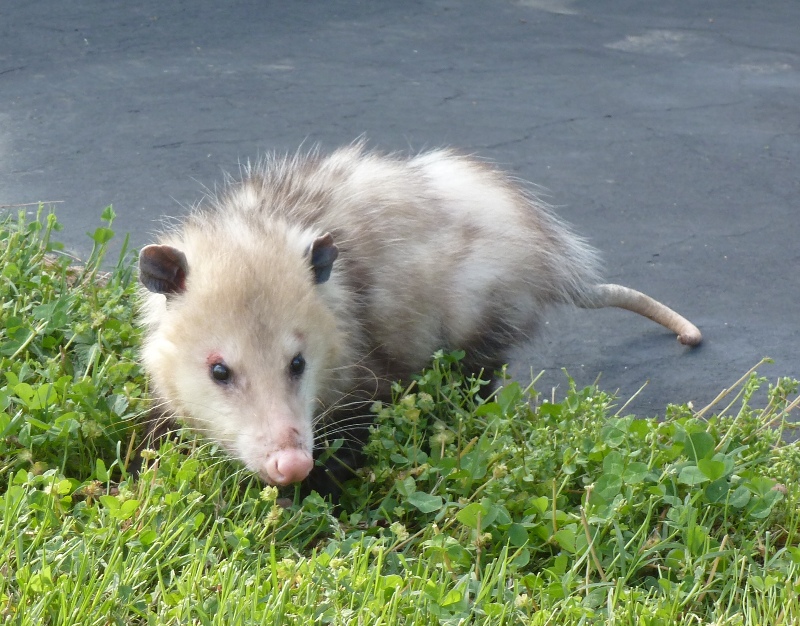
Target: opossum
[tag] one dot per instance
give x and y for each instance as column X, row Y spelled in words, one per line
column 287, row 302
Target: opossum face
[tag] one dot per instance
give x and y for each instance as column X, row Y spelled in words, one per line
column 243, row 344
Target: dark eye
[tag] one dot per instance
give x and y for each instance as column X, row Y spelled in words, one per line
column 220, row 372
column 297, row 366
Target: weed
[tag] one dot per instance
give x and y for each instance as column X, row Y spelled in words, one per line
column 475, row 506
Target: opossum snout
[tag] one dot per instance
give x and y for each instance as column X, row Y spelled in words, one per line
column 285, row 467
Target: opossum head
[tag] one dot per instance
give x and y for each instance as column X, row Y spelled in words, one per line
column 240, row 340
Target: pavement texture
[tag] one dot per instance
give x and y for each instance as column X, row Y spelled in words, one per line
column 668, row 133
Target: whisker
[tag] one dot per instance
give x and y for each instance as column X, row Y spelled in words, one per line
column 343, row 411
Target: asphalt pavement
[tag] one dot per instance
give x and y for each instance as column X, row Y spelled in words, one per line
column 668, row 133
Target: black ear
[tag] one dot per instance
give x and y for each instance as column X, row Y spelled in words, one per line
column 163, row 269
column 323, row 254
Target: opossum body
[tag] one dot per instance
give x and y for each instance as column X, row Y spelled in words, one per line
column 298, row 293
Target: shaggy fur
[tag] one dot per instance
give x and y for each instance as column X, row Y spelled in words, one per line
column 434, row 251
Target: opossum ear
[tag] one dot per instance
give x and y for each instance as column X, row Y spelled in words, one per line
column 323, row 253
column 163, row 269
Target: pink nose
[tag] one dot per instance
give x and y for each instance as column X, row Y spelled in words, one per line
column 285, row 467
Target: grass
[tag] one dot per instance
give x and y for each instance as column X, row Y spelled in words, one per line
column 473, row 509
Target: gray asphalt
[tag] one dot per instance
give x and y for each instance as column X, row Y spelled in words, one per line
column 667, row 132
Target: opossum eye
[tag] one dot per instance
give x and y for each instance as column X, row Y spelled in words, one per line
column 220, row 372
column 297, row 366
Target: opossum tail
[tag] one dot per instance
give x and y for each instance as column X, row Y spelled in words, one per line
column 610, row 295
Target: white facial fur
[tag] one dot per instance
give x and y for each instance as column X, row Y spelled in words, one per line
column 253, row 314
